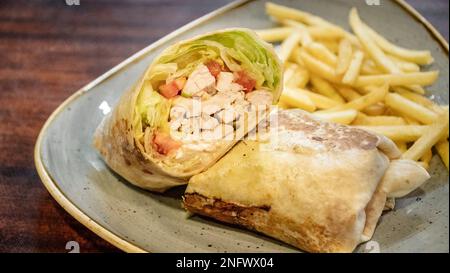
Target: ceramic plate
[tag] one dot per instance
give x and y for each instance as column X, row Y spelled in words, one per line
column 136, row 220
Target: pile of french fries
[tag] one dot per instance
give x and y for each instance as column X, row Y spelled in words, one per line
column 359, row 79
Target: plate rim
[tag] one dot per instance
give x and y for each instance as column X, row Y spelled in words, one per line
column 77, row 213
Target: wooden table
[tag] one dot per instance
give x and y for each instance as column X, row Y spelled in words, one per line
column 47, row 51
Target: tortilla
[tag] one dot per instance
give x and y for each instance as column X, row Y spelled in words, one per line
column 318, row 186
column 127, row 138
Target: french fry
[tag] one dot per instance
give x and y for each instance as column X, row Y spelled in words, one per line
column 397, row 133
column 410, row 120
column 347, row 93
column 410, row 108
column 416, row 89
column 404, row 66
column 369, row 45
column 300, row 78
column 344, row 56
column 282, row 12
column 299, row 27
column 295, row 57
column 318, row 68
column 417, row 56
column 324, row 33
column 370, row 68
column 362, row 102
column 376, row 109
column 442, row 149
column 315, row 32
column 342, row 117
column 291, row 98
column 402, row 146
column 276, row 34
column 422, row 100
column 353, row 70
column 283, row 105
column 319, row 101
column 323, row 87
column 322, row 53
column 332, row 45
column 426, row 158
column 420, row 78
column 362, row 119
column 432, row 135
column 288, row 45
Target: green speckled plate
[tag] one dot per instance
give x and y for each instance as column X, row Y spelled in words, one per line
column 135, row 220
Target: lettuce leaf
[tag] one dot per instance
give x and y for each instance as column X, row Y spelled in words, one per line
column 239, row 49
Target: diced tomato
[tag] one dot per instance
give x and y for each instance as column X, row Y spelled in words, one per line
column 180, row 82
column 171, row 89
column 245, row 81
column 214, row 68
column 164, row 144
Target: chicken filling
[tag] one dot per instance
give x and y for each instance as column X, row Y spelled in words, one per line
column 207, row 106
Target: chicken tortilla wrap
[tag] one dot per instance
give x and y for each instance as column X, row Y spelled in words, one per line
column 316, row 185
column 193, row 103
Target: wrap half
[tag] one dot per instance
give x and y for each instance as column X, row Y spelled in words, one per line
column 193, row 103
column 315, row 185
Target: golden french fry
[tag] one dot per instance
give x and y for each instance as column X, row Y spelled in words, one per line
column 396, row 133
column 322, row 53
column 324, row 33
column 342, row 117
column 353, row 70
column 315, row 32
column 369, row 45
column 442, row 149
column 295, row 57
column 402, row 146
column 426, row 158
column 432, row 135
column 318, row 68
column 283, row 105
column 344, row 56
column 416, row 88
column 363, row 119
column 422, row 100
column 420, row 78
column 410, row 108
column 319, row 101
column 404, row 66
column 288, row 45
column 377, row 95
column 416, row 56
column 376, row 109
column 347, row 93
column 291, row 98
column 332, row 45
column 282, row 13
column 276, row 34
column 299, row 27
column 288, row 72
column 323, row 87
column 300, row 78
column 370, row 68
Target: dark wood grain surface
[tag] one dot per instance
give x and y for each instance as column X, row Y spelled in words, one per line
column 47, row 51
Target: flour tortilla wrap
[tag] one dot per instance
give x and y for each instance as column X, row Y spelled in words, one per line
column 124, row 138
column 315, row 185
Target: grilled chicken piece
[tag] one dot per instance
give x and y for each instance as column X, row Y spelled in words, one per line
column 225, row 83
column 199, row 80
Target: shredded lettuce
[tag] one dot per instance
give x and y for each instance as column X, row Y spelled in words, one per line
column 152, row 108
column 239, row 49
